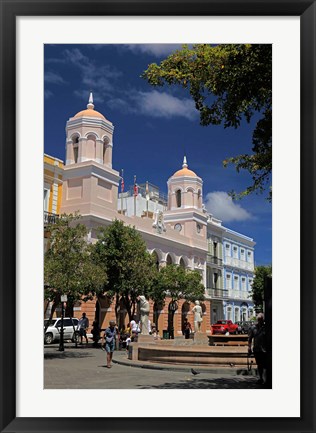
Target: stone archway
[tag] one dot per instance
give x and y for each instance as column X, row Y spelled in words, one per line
column 157, row 317
column 182, row 263
column 172, row 308
column 156, row 259
column 184, row 314
column 169, row 260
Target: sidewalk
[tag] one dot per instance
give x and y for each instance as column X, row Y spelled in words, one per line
column 84, row 368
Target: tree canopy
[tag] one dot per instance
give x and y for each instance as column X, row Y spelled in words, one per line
column 129, row 266
column 228, row 83
column 257, row 293
column 177, row 283
column 68, row 265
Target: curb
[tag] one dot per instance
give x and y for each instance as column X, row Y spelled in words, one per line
column 187, row 369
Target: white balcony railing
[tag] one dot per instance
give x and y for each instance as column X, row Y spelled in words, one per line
column 217, row 293
column 239, row 294
column 241, row 264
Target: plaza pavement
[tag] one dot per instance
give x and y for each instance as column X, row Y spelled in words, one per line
column 84, row 368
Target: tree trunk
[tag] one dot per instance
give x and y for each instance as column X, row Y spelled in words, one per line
column 69, row 310
column 54, row 306
column 117, row 307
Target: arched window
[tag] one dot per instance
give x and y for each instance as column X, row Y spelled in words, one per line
column 178, row 197
column 75, row 144
column 169, row 260
column 182, row 264
column 199, row 198
column 106, row 142
column 156, row 259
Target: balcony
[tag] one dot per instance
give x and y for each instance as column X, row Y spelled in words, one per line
column 241, row 264
column 218, row 293
column 213, row 260
column 239, row 294
column 50, row 218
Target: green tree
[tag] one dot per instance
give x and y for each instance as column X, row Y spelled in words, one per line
column 257, row 292
column 129, row 266
column 68, row 265
column 177, row 283
column 228, row 82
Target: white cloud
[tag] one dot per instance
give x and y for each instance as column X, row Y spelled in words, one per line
column 221, row 205
column 157, row 50
column 53, row 78
column 96, row 78
column 48, row 94
column 161, row 104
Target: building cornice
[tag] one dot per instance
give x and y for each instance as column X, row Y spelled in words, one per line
column 92, row 169
column 173, row 217
column 152, row 236
column 88, row 122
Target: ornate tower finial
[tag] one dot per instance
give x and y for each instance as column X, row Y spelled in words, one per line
column 185, row 165
column 90, row 104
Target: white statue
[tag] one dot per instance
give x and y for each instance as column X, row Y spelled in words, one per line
column 197, row 310
column 144, row 314
column 159, row 223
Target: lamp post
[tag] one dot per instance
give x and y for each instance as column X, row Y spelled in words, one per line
column 63, row 299
column 172, row 307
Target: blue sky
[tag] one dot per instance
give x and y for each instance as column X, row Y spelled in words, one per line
column 154, row 128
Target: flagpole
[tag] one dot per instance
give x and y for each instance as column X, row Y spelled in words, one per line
column 135, row 195
column 122, row 190
column 147, row 196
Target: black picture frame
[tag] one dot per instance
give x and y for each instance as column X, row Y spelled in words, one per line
column 10, row 9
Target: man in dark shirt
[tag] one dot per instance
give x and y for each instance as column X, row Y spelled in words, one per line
column 257, row 337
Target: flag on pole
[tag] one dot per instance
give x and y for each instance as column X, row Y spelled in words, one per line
column 122, row 181
column 135, row 187
column 147, row 191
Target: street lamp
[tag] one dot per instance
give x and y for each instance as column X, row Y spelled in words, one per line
column 63, row 300
column 172, row 307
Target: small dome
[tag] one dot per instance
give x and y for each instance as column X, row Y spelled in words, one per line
column 184, row 170
column 89, row 112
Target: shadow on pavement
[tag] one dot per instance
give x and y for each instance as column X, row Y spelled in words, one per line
column 221, row 383
column 65, row 355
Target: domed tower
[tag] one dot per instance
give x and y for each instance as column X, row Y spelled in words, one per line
column 185, row 206
column 90, row 184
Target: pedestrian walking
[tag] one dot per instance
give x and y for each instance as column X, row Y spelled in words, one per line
column 83, row 325
column 257, row 344
column 108, row 341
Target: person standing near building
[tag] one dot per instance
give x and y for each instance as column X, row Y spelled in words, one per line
column 83, row 325
column 108, row 340
column 257, row 344
column 95, row 331
column 187, row 329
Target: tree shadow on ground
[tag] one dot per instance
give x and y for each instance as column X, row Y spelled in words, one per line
column 218, row 383
column 65, row 355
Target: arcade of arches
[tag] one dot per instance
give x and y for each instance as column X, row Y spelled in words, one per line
column 103, row 310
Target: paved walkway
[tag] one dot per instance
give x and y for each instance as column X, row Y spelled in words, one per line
column 84, row 368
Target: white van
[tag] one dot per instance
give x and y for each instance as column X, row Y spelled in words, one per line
column 52, row 333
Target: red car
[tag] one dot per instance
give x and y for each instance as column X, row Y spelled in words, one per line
column 224, row 326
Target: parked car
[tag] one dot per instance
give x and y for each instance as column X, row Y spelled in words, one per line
column 243, row 327
column 52, row 333
column 224, row 326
